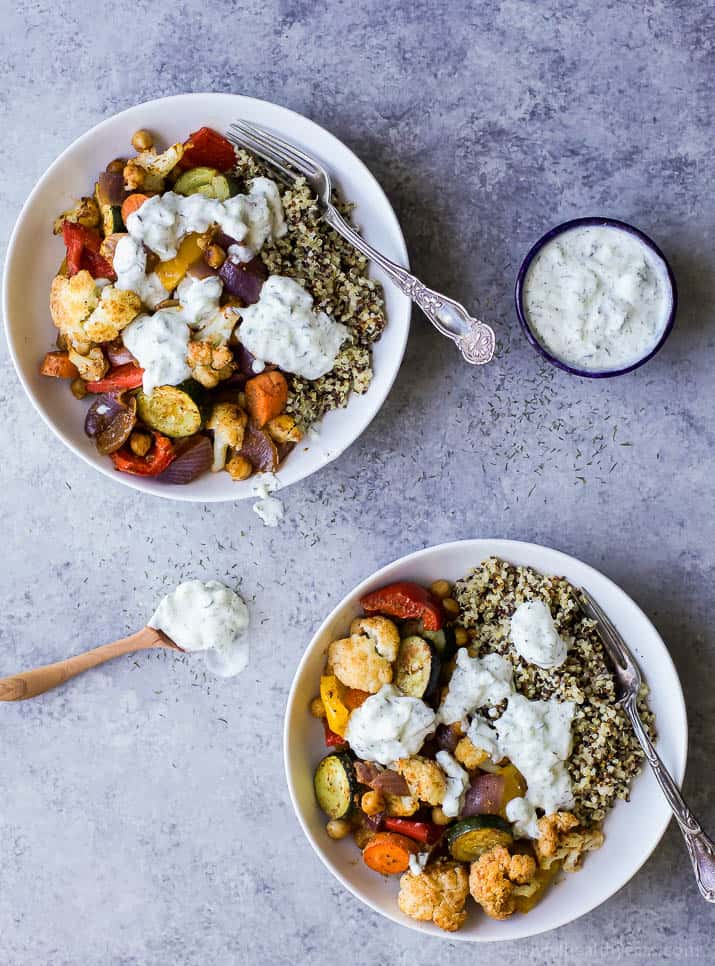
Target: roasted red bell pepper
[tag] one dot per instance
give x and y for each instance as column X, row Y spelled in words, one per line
column 331, row 739
column 406, row 601
column 127, row 376
column 425, row 832
column 207, row 148
column 83, row 251
column 156, row 460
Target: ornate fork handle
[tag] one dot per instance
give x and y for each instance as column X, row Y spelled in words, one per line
column 700, row 846
column 474, row 339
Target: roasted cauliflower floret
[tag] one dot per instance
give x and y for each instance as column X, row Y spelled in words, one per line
column 400, row 806
column 115, row 311
column 228, row 422
column 148, row 169
column 425, row 779
column 356, row 660
column 72, row 300
column 284, row 429
column 561, row 840
column 497, row 879
column 219, row 326
column 83, row 212
column 210, row 364
column 382, row 631
column 92, row 365
column 438, row 895
column 469, row 755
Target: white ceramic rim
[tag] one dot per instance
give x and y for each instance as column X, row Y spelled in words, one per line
column 560, row 563
column 398, row 316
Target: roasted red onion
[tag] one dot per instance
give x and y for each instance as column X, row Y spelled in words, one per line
column 373, row 822
column 111, row 187
column 118, row 354
column 110, row 420
column 447, row 739
column 260, row 450
column 201, row 269
column 193, row 459
column 244, row 280
column 485, row 795
column 390, row 783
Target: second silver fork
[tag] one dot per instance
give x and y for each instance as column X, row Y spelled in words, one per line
column 474, row 339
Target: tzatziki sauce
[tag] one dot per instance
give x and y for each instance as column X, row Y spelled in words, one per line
column 282, row 328
column 159, row 343
column 206, row 616
column 597, row 297
column 534, row 635
column 389, row 725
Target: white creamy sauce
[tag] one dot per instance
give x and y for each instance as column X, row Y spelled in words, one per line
column 534, row 635
column 269, row 508
column 475, row 683
column 536, row 737
column 597, row 297
column 199, row 298
column 282, row 328
column 389, row 725
column 522, row 813
column 209, row 617
column 457, row 783
column 159, row 343
column 130, row 266
column 252, row 219
column 418, row 861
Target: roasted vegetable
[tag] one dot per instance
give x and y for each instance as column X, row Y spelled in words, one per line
column 84, row 212
column 58, row 365
column 228, row 422
column 128, row 376
column 405, row 600
column 389, row 853
column 266, row 396
column 110, row 421
column 259, row 449
column 425, row 832
column 472, row 837
column 485, row 795
column 91, row 365
column 244, row 280
column 335, row 785
column 132, row 203
column 336, row 712
column 417, row 668
column 155, row 462
column 170, row 411
column 443, row 639
column 205, row 181
column 171, row 272
column 193, row 459
column 207, row 148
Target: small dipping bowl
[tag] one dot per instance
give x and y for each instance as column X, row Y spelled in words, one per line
column 533, row 337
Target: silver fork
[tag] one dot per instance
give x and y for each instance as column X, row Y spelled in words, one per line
column 474, row 339
column 628, row 679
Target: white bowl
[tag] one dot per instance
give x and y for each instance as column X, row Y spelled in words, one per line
column 34, row 255
column 632, row 830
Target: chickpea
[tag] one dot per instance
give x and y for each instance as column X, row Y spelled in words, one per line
column 338, row 828
column 116, row 166
column 441, row 588
column 372, row 803
column 460, row 636
column 215, row 256
column 451, row 607
column 438, row 816
column 317, row 708
column 239, row 467
column 142, row 140
column 78, row 387
column 139, row 443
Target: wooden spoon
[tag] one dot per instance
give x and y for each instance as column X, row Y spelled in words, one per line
column 28, row 684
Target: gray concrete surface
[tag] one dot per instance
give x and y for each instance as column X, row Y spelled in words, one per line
column 143, row 813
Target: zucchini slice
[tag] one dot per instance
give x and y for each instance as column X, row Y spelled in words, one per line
column 472, row 837
column 443, row 640
column 206, row 181
column 112, row 221
column 335, row 784
column 170, row 411
column 417, row 667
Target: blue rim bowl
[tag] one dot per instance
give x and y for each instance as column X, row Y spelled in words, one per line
column 591, row 222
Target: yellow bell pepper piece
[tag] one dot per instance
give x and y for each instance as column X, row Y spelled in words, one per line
column 335, row 711
column 171, row 273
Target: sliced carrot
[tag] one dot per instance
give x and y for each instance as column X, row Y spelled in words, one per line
column 389, row 853
column 266, row 396
column 132, row 203
column 353, row 698
column 58, row 365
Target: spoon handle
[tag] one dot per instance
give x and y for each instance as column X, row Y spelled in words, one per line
column 28, row 684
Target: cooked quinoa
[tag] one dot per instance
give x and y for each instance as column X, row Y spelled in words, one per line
column 335, row 274
column 606, row 755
